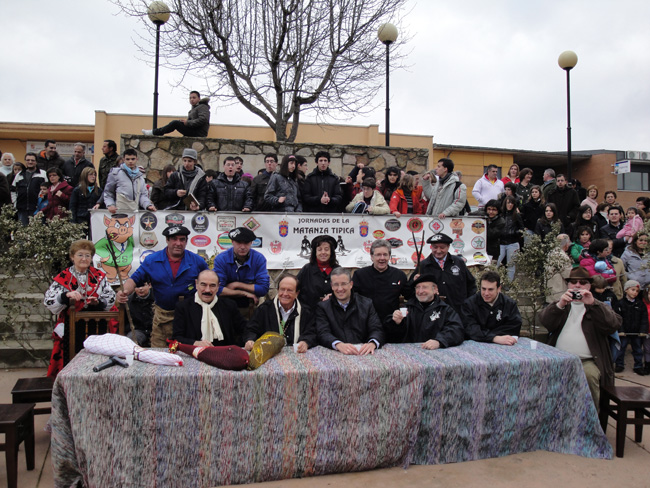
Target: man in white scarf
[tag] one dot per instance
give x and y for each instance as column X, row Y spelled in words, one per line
column 208, row 320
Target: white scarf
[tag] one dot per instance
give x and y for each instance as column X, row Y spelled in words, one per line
column 296, row 324
column 209, row 324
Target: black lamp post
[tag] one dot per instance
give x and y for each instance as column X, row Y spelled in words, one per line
column 567, row 61
column 158, row 13
column 387, row 34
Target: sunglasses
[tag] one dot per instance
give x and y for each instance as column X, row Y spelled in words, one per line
column 582, row 282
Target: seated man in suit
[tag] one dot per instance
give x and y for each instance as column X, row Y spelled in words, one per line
column 208, row 320
column 428, row 320
column 285, row 315
column 490, row 316
column 347, row 318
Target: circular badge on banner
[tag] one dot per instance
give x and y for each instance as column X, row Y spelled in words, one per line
column 457, row 226
column 392, row 225
column 458, row 245
column 478, row 242
column 144, row 255
column 436, row 225
column 148, row 239
column 478, row 227
column 378, row 234
column 415, row 225
column 413, row 243
column 223, row 241
column 200, row 223
column 174, row 219
column 200, row 241
column 480, row 258
column 148, row 221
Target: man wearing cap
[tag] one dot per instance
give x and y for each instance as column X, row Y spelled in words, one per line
column 428, row 320
column 126, row 189
column 284, row 315
column 172, row 273
column 581, row 325
column 490, row 316
column 348, row 319
column 189, row 180
column 242, row 271
column 207, row 319
column 381, row 282
column 455, row 282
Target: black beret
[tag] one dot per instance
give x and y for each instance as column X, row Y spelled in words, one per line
column 439, row 239
column 242, row 234
column 425, row 278
column 176, row 230
column 318, row 240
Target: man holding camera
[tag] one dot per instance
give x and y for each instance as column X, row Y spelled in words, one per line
column 581, row 325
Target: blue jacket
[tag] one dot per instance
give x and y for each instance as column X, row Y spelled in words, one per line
column 166, row 289
column 252, row 271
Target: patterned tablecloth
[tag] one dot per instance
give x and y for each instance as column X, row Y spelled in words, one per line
column 316, row 413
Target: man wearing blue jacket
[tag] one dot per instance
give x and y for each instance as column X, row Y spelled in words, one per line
column 242, row 271
column 172, row 273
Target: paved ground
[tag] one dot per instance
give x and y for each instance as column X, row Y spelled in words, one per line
column 536, row 469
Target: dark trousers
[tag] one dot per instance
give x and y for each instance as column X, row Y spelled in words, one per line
column 180, row 127
column 637, row 351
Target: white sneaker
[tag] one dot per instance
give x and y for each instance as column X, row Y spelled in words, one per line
column 147, row 132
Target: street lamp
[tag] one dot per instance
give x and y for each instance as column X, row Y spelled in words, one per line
column 387, row 34
column 567, row 61
column 158, row 13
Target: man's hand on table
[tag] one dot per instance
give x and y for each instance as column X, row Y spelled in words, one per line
column 506, row 340
column 431, row 344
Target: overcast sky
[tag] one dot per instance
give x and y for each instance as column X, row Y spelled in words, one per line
column 480, row 73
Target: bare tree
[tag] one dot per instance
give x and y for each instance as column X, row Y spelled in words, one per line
column 279, row 58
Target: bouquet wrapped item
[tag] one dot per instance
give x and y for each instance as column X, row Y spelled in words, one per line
column 121, row 346
column 267, row 346
column 224, row 357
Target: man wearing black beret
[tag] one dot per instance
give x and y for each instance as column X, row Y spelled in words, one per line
column 455, row 282
column 428, row 319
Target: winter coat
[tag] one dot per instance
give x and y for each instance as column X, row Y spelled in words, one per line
column 25, row 195
column 198, row 118
column 446, row 198
column 57, row 205
column 258, row 190
column 531, row 212
column 198, row 187
column 484, row 322
column 314, row 285
column 455, row 282
column 72, row 171
column 229, row 196
column 634, row 315
column 636, row 266
column 80, row 205
column 357, row 324
column 399, row 204
column 437, row 321
column 281, row 186
column 567, row 202
column 494, row 228
column 588, row 261
column 484, row 190
column 43, row 163
column 318, row 182
column 512, row 228
column 609, row 231
column 598, row 322
column 120, row 182
column 265, row 319
column 543, row 228
column 377, row 202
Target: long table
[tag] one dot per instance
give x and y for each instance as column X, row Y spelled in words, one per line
column 321, row 412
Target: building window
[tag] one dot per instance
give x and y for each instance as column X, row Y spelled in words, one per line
column 637, row 180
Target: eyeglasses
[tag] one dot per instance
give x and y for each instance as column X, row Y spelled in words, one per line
column 582, row 282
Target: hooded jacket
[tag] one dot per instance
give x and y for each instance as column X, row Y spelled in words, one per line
column 445, row 198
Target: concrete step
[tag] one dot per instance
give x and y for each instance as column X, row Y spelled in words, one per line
column 37, row 354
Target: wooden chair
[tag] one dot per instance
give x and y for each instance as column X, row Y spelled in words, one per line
column 84, row 318
column 34, row 390
column 17, row 424
column 625, row 398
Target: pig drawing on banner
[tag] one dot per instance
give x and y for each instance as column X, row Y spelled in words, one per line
column 120, row 230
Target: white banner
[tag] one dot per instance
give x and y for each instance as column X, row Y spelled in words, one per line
column 284, row 238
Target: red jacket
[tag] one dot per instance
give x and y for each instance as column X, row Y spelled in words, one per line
column 398, row 201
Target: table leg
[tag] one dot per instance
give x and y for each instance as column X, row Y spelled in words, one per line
column 29, row 441
column 11, row 457
column 638, row 428
column 621, row 425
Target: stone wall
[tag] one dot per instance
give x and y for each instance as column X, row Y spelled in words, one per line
column 156, row 152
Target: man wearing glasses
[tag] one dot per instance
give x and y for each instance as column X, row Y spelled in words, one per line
column 347, row 321
column 581, row 325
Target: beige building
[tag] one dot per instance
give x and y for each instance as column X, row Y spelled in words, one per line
column 590, row 167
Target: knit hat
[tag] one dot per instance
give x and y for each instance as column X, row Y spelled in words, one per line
column 631, row 283
column 188, row 152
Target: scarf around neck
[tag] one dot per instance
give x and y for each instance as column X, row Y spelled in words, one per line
column 210, row 328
